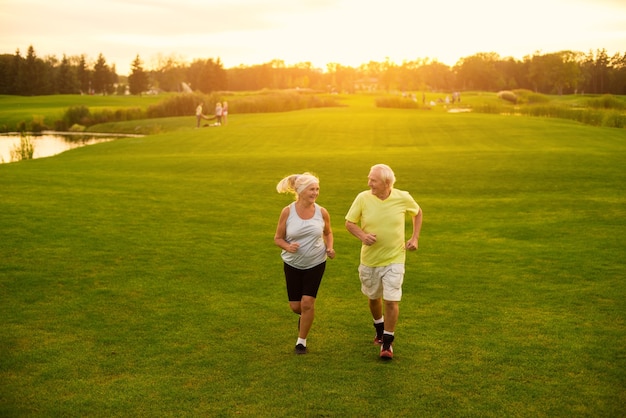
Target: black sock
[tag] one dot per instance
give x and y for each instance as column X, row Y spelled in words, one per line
column 379, row 329
column 387, row 340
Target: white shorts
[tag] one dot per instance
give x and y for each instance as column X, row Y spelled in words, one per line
column 385, row 282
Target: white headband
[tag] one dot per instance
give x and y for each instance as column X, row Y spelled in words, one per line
column 307, row 181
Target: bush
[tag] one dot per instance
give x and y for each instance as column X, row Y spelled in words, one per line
column 614, row 119
column 396, row 102
column 77, row 114
column 606, row 101
column 507, row 95
column 181, row 105
column 594, row 117
column 281, row 101
column 81, row 115
column 38, row 124
column 491, row 108
column 185, row 105
column 133, row 113
column 530, row 97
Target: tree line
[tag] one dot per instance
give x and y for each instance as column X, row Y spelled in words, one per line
column 564, row 72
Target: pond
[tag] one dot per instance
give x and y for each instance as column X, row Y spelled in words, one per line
column 49, row 143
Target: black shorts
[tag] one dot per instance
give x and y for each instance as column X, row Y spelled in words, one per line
column 303, row 282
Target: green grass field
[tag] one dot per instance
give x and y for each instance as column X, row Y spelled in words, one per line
column 139, row 277
column 48, row 109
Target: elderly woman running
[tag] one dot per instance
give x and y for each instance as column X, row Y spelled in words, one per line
column 306, row 239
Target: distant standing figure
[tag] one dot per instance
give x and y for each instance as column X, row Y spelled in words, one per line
column 224, row 113
column 218, row 113
column 199, row 115
column 377, row 219
column 306, row 239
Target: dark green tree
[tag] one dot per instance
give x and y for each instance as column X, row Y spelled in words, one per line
column 618, row 74
column 601, row 71
column 8, row 74
column 103, row 77
column 340, row 78
column 512, row 73
column 18, row 69
column 207, row 76
column 84, row 76
column 67, row 82
column 169, row 75
column 438, row 76
column 49, row 67
column 32, row 75
column 478, row 72
column 138, row 81
column 100, row 75
column 595, row 69
column 112, row 79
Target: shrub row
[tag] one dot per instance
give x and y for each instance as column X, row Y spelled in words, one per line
column 397, row 102
column 606, row 101
column 181, row 105
column 605, row 111
column 82, row 116
column 609, row 118
column 280, row 101
column 184, row 105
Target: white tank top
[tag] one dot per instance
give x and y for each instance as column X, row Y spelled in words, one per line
column 309, row 234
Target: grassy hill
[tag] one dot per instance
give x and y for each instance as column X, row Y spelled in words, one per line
column 139, row 276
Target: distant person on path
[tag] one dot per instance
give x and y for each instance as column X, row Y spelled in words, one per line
column 199, row 115
column 377, row 218
column 224, row 113
column 306, row 239
column 218, row 113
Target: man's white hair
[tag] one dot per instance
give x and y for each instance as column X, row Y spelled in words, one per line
column 386, row 173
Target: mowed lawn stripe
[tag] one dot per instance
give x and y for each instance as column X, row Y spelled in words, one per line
column 139, row 277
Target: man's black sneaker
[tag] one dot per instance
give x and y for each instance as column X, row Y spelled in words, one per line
column 300, row 349
column 380, row 328
column 386, row 350
column 386, row 353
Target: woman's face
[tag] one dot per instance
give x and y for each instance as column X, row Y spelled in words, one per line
column 311, row 193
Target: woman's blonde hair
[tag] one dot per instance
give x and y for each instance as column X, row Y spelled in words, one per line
column 296, row 183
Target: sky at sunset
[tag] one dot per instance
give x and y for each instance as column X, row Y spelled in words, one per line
column 348, row 32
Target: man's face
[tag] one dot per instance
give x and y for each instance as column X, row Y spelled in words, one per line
column 375, row 183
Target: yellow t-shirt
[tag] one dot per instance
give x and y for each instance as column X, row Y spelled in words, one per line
column 385, row 218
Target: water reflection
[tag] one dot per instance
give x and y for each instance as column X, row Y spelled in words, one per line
column 49, row 143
